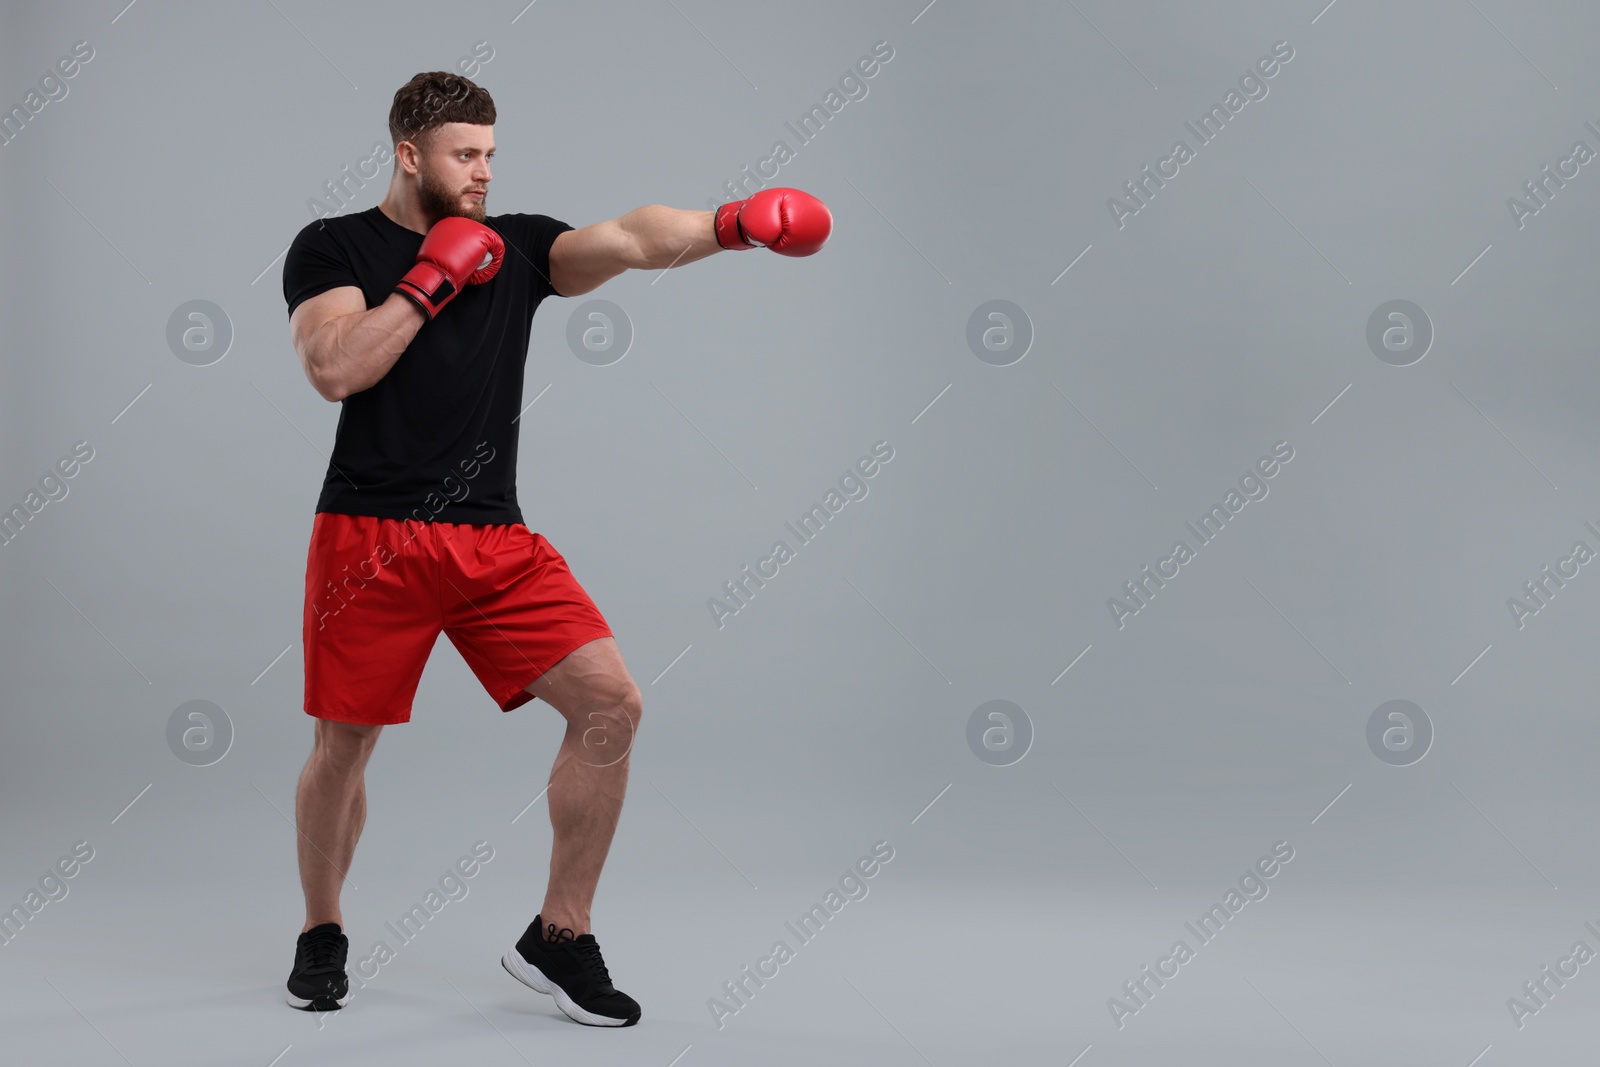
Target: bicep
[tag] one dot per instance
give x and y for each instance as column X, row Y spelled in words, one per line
column 311, row 315
column 582, row 259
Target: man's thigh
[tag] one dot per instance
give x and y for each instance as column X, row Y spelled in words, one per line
column 590, row 677
column 593, row 690
column 512, row 606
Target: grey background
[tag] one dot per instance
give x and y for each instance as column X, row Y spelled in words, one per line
column 1227, row 715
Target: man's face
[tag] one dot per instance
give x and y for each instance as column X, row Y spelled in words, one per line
column 453, row 170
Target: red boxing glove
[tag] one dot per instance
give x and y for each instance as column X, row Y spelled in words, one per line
column 456, row 252
column 789, row 222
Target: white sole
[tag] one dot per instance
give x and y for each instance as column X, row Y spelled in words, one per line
column 305, row 1005
column 534, row 979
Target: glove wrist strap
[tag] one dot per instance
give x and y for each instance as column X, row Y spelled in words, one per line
column 428, row 286
column 729, row 233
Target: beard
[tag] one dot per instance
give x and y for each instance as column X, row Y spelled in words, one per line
column 439, row 200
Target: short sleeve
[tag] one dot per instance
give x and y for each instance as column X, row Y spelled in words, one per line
column 314, row 264
column 532, row 235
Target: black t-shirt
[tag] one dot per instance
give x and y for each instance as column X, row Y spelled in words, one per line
column 433, row 439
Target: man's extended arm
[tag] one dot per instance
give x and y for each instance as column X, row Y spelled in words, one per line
column 654, row 237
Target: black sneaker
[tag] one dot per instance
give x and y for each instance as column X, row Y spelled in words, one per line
column 318, row 981
column 571, row 970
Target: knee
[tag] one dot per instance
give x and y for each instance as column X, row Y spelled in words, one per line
column 345, row 743
column 632, row 703
column 618, row 701
column 613, row 724
column 610, row 711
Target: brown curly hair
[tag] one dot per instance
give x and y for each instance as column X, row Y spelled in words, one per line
column 433, row 98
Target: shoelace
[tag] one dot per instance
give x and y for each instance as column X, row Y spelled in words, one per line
column 588, row 953
column 321, row 952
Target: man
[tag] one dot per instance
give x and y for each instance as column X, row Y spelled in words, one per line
column 415, row 316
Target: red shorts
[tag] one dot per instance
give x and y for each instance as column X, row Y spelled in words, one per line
column 379, row 591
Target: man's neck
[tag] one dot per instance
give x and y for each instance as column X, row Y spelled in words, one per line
column 405, row 214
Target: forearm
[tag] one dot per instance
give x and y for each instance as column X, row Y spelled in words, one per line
column 353, row 352
column 653, row 237
column 666, row 237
